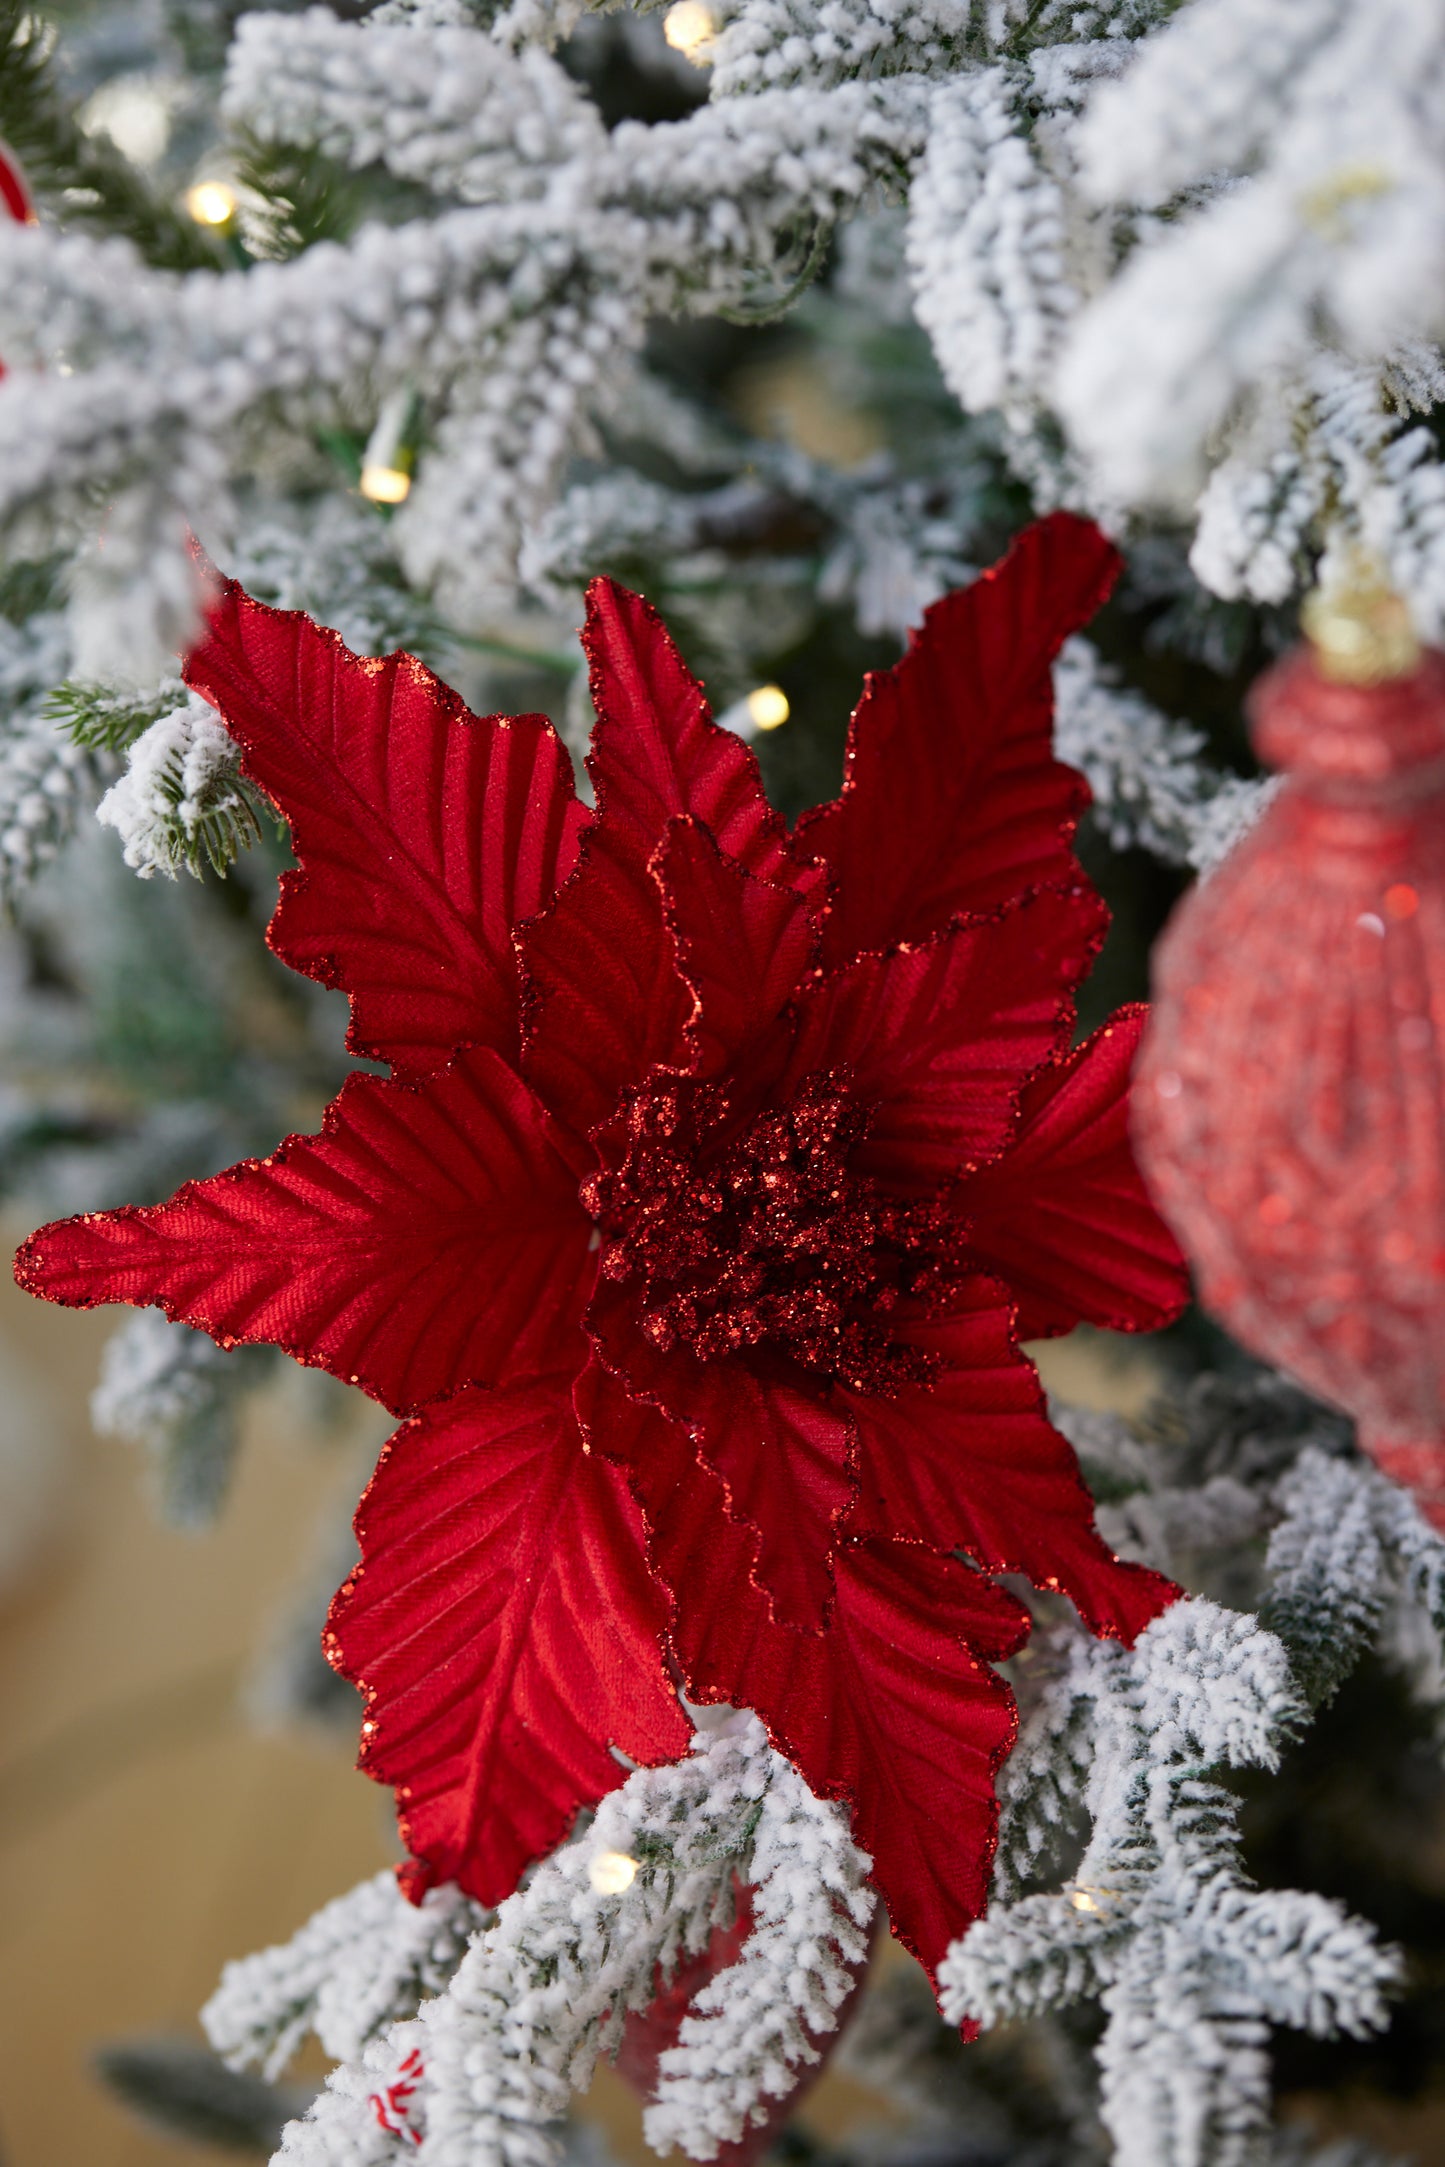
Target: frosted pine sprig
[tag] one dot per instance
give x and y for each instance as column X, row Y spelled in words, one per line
column 986, row 247
column 362, row 1963
column 448, row 108
column 1149, row 783
column 502, row 317
column 1327, row 114
column 45, row 785
column 46, row 781
column 1036, row 143
column 750, row 2031
column 1350, row 1551
column 1159, row 1921
column 486, row 2069
column 174, row 1391
column 181, row 800
column 775, row 44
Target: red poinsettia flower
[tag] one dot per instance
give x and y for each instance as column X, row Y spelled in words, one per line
column 719, row 1174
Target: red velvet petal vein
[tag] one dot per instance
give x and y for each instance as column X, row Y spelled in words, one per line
column 1064, row 1216
column 429, row 1237
column 783, row 1455
column 742, row 945
column 939, row 1038
column 604, row 998
column 971, row 1461
column 423, row 833
column 952, row 798
column 506, row 1632
column 895, row 1710
column 656, row 751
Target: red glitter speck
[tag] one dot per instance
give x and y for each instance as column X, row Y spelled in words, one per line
column 738, row 1238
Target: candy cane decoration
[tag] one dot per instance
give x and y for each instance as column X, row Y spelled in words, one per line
column 13, row 192
column 14, row 196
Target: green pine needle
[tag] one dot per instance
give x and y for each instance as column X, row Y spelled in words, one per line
column 300, row 197
column 29, row 586
column 105, row 721
column 222, row 833
column 85, row 177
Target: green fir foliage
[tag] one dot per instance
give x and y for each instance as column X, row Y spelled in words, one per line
column 297, row 197
column 84, row 176
column 188, row 2092
column 100, row 718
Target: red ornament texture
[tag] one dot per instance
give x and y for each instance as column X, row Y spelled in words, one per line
column 649, row 2033
column 1288, row 1108
column 719, row 1172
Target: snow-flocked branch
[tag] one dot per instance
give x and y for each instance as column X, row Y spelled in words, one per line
column 1190, row 1961
column 1038, row 146
column 364, row 1960
column 46, row 781
column 174, row 1391
column 483, row 2072
column 504, row 317
column 746, row 2037
column 1303, row 147
column 182, row 800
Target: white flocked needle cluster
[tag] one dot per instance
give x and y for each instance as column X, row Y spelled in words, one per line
column 1167, row 255
column 461, row 2039
column 1191, row 1962
column 1167, row 229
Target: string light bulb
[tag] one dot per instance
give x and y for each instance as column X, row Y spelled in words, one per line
column 211, row 203
column 610, row 1872
column 689, row 28
column 385, row 485
column 390, row 454
column 768, row 707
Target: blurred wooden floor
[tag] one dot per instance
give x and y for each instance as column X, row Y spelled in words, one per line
column 145, row 1831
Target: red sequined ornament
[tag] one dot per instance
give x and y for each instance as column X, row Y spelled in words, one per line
column 1289, row 1101
column 649, row 2033
column 718, row 1176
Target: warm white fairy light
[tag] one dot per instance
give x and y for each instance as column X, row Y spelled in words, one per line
column 211, row 203
column 384, row 485
column 768, row 707
column 610, row 1872
column 688, row 27
column 134, row 110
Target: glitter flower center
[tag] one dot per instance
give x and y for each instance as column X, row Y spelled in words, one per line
column 765, row 1236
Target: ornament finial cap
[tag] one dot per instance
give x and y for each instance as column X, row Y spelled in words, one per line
column 1359, row 628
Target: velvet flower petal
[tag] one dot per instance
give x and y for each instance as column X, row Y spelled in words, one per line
column 696, row 1229
column 505, row 1631
column 1063, row 1215
column 784, row 1456
column 936, row 1038
column 896, row 1710
column 605, row 998
column 952, row 798
column 430, row 1237
column 970, row 1460
column 422, row 833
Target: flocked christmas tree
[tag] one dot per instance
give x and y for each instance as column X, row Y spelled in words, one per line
column 417, row 324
